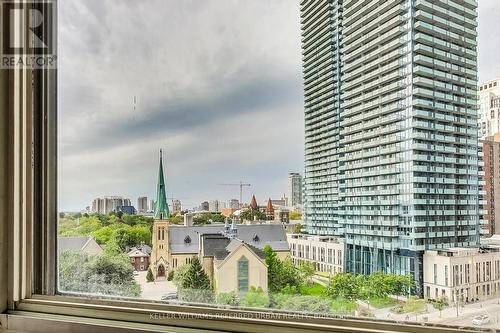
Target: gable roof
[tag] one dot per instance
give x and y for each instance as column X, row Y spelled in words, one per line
column 74, row 243
column 267, row 234
column 236, row 244
column 135, row 252
column 215, row 245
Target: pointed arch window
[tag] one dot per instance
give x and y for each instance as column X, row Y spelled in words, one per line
column 242, row 275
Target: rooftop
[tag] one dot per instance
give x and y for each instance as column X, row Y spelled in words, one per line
column 257, row 235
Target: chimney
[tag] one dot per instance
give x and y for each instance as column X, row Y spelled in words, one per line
column 188, row 220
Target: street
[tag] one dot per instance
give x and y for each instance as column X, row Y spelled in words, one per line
column 154, row 290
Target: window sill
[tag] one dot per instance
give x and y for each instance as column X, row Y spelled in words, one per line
column 66, row 313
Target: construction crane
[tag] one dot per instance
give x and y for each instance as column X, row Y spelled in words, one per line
column 241, row 185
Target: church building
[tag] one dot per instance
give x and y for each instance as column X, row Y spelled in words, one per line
column 225, row 250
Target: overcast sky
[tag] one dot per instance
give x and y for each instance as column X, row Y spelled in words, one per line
column 218, row 86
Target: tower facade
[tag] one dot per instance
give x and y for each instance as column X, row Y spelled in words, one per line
column 321, row 26
column 398, row 173
column 160, row 261
column 489, row 108
column 294, row 189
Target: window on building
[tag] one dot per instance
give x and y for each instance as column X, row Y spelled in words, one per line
column 242, row 275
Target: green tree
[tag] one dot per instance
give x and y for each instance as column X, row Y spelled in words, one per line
column 280, row 273
column 252, row 214
column 295, row 216
column 208, row 218
column 103, row 235
column 297, row 229
column 177, row 219
column 179, row 275
column 255, row 298
column 440, row 304
column 307, row 271
column 139, row 233
column 344, row 285
column 149, row 275
column 196, row 278
column 104, row 274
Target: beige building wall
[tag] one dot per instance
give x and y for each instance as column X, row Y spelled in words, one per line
column 326, row 253
column 226, row 271
column 463, row 273
column 160, row 261
column 489, row 108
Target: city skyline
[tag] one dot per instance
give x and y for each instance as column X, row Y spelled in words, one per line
column 114, row 147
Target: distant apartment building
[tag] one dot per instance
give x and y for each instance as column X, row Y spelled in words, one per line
column 233, row 204
column 126, row 210
column 326, row 253
column 489, row 108
column 216, row 206
column 462, row 274
column 142, row 204
column 176, row 206
column 491, row 159
column 294, row 189
column 152, row 205
column 204, row 206
column 109, row 204
column 391, row 131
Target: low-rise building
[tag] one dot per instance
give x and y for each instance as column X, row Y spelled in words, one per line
column 175, row 245
column 463, row 274
column 232, row 264
column 325, row 252
column 126, row 210
column 84, row 244
column 139, row 259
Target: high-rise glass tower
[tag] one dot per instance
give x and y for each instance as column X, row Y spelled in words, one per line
column 321, row 22
column 406, row 136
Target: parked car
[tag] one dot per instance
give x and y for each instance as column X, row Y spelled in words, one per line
column 481, row 320
column 170, row 296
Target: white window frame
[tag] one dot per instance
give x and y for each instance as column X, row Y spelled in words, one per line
column 28, row 214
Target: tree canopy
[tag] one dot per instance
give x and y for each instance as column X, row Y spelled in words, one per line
column 281, row 273
column 252, row 214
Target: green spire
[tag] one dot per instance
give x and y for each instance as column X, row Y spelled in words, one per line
column 161, row 211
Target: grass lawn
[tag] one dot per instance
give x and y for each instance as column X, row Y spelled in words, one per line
column 413, row 305
column 382, row 302
column 323, row 274
column 343, row 306
column 314, row 290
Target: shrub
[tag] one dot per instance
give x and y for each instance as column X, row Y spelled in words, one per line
column 149, row 275
column 311, row 304
column 230, row 298
column 195, row 295
column 256, row 298
column 170, row 276
column 343, row 306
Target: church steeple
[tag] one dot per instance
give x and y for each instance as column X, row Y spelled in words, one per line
column 161, row 211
